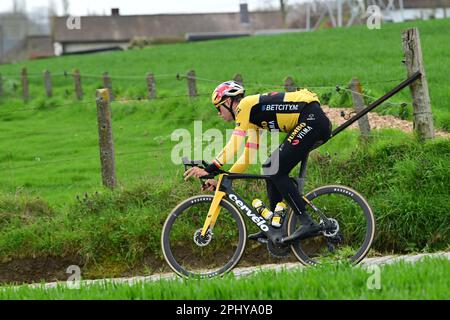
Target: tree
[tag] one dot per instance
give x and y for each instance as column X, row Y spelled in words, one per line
column 65, row 4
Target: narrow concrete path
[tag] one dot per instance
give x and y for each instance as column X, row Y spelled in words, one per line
column 241, row 272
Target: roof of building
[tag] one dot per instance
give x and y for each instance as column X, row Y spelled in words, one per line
column 124, row 28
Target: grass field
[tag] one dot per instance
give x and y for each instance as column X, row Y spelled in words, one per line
column 322, row 58
column 57, row 155
column 49, row 147
column 113, row 232
column 424, row 280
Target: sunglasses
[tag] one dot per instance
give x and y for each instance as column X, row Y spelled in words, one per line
column 220, row 104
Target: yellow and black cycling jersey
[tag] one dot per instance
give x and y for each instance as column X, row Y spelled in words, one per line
column 269, row 111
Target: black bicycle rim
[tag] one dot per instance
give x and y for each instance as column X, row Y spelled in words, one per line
column 356, row 222
column 219, row 256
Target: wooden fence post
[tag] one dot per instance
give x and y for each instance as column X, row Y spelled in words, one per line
column 423, row 118
column 358, row 103
column 151, row 87
column 105, row 138
column 77, row 82
column 48, row 83
column 108, row 84
column 289, row 85
column 25, row 90
column 238, row 78
column 191, row 83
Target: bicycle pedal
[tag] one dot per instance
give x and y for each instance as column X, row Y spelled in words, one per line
column 262, row 240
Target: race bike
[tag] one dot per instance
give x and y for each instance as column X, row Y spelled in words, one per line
column 206, row 235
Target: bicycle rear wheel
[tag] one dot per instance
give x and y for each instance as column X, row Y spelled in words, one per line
column 190, row 255
column 353, row 228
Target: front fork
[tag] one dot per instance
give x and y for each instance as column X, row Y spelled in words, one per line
column 214, row 209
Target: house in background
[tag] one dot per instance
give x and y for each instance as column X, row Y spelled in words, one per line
column 97, row 33
column 22, row 38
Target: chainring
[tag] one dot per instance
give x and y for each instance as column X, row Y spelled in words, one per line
column 277, row 250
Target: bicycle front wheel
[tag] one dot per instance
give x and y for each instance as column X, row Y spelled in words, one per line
column 352, row 229
column 189, row 254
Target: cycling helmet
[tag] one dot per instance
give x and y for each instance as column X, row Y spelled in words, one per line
column 225, row 90
column 228, row 89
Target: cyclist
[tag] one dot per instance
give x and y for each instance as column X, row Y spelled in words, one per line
column 298, row 113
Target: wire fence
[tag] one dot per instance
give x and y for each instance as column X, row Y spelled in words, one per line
column 141, row 99
column 179, row 76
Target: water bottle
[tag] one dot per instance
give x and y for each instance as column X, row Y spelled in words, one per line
column 262, row 209
column 278, row 216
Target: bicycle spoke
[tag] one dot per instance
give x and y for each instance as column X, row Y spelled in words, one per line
column 349, row 235
column 190, row 254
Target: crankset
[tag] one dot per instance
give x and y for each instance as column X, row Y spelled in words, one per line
column 278, row 250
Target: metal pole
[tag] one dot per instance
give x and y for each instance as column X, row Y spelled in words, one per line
column 391, row 93
column 339, row 12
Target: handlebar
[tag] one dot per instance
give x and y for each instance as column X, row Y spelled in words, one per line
column 194, row 163
column 201, row 164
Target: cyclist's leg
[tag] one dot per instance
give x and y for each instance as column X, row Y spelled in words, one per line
column 314, row 128
column 273, row 194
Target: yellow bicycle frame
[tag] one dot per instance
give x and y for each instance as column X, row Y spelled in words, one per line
column 214, row 209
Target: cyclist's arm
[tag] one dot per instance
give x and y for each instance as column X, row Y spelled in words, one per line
column 237, row 138
column 229, row 151
column 249, row 154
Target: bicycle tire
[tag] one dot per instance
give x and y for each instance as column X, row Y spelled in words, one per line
column 312, row 196
column 175, row 265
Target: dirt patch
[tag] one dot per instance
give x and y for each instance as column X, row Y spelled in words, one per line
column 30, row 270
column 256, row 254
column 376, row 121
column 50, row 269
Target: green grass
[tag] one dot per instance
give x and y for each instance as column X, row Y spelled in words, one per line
column 49, row 147
column 122, row 228
column 53, row 152
column 425, row 280
column 322, row 58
